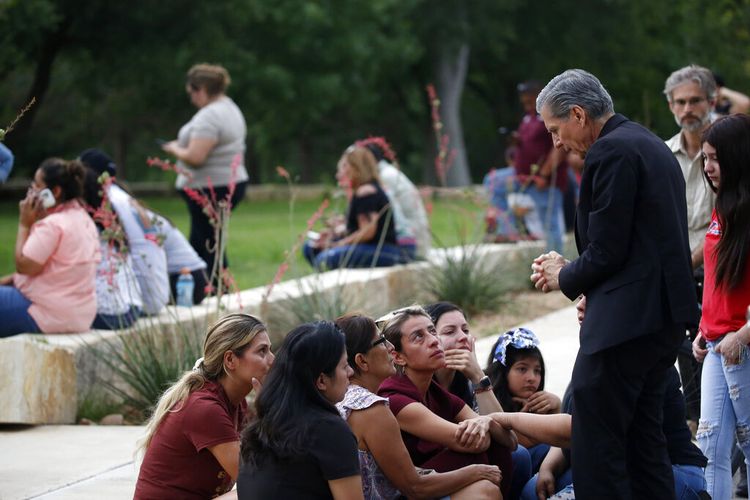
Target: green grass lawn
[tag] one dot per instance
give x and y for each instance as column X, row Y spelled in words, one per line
column 260, row 232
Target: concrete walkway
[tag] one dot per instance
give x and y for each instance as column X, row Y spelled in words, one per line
column 94, row 462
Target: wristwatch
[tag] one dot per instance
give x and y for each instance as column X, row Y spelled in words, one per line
column 483, row 385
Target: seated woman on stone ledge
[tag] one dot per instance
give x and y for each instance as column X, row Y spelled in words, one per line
column 192, row 442
column 56, row 253
column 370, row 235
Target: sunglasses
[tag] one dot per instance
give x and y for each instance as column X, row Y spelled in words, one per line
column 381, row 340
column 388, row 317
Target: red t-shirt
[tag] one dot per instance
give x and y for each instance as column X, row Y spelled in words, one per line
column 723, row 311
column 401, row 392
column 534, row 144
column 177, row 463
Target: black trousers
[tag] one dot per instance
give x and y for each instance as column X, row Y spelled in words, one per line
column 202, row 232
column 618, row 446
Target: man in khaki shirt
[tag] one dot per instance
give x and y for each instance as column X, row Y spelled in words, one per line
column 691, row 93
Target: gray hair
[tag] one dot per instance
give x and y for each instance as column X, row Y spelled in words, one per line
column 693, row 73
column 575, row 87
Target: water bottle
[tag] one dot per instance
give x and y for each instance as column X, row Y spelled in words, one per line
column 185, row 286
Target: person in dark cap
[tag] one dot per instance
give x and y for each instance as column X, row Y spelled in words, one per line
column 156, row 271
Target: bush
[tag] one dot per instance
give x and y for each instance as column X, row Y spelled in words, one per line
column 474, row 284
column 147, row 361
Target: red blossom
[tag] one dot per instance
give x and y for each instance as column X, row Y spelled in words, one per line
column 381, row 143
column 282, row 172
column 284, row 266
column 234, row 167
column 444, row 158
column 168, row 166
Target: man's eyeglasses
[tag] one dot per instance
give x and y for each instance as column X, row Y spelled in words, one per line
column 693, row 101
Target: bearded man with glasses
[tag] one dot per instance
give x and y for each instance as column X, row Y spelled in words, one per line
column 691, row 93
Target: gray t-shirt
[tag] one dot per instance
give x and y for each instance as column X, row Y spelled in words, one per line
column 223, row 122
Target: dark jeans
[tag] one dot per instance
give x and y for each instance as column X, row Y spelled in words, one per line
column 201, row 231
column 618, row 446
column 116, row 321
column 358, row 255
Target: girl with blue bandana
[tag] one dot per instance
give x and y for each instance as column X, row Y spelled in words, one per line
column 516, row 369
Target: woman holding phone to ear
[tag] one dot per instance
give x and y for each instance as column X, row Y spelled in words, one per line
column 56, row 253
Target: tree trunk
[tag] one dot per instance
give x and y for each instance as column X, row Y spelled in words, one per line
column 42, row 76
column 453, row 65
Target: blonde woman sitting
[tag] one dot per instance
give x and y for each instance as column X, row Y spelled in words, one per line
column 370, row 237
column 192, row 442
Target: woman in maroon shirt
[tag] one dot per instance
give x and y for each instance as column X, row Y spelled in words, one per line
column 440, row 431
column 192, row 442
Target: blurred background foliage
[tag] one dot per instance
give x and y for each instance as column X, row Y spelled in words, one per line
column 313, row 75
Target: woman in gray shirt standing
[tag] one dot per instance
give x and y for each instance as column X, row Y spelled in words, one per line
column 210, row 151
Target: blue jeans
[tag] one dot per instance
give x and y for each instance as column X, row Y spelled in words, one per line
column 14, row 311
column 563, row 480
column 546, row 221
column 688, row 482
column 725, row 410
column 521, row 470
column 353, row 256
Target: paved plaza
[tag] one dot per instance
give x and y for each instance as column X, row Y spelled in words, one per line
column 93, row 462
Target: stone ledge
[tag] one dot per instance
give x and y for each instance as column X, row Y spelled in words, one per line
column 46, row 375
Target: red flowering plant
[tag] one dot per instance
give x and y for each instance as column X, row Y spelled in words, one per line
column 112, row 232
column 218, row 212
column 445, row 156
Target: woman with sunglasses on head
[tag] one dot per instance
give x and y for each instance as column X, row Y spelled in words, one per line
column 387, row 470
column 440, row 431
column 724, row 333
column 370, row 236
column 298, row 446
column 192, row 443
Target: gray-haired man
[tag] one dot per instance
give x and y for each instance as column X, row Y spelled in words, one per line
column 634, row 271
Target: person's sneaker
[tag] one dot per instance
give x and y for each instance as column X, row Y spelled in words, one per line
column 741, row 490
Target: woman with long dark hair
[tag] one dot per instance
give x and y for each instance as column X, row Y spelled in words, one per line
column 299, row 446
column 723, row 332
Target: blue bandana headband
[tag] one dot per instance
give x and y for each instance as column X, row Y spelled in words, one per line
column 520, row 338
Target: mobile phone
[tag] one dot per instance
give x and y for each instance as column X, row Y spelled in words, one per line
column 47, row 198
column 160, row 142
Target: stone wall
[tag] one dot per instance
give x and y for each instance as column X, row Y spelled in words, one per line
column 46, row 375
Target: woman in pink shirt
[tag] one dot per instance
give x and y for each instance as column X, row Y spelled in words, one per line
column 56, row 253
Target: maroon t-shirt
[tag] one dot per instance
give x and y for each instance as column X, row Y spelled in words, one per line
column 177, row 463
column 534, row 143
column 401, row 392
